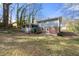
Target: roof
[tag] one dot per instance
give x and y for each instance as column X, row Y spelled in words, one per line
column 52, row 19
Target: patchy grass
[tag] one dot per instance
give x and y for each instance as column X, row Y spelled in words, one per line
column 38, row 45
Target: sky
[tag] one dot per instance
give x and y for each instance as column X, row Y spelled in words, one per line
column 49, row 10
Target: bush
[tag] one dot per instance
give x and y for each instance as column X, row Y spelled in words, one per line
column 73, row 27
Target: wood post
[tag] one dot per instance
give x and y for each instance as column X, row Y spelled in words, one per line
column 60, row 21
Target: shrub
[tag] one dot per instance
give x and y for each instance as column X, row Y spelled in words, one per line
column 73, row 27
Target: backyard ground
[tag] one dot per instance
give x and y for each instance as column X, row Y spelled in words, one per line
column 21, row 44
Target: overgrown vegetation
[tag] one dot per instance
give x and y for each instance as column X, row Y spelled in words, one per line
column 20, row 44
column 73, row 27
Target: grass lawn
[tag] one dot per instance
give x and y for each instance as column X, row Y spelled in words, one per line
column 20, row 44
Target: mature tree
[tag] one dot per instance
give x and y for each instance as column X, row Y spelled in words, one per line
column 71, row 10
column 11, row 11
column 34, row 11
column 17, row 14
column 6, row 14
column 21, row 14
column 26, row 13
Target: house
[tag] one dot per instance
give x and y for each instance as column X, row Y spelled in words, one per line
column 57, row 23
column 52, row 25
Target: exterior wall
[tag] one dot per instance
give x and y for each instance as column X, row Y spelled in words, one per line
column 50, row 27
column 48, row 24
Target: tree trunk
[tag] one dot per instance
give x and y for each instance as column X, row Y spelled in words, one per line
column 5, row 14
